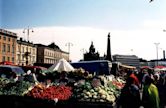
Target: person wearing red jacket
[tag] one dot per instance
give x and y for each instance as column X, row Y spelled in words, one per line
column 131, row 74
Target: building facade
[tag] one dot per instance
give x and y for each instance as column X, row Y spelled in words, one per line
column 153, row 63
column 8, row 42
column 50, row 55
column 130, row 60
column 26, row 52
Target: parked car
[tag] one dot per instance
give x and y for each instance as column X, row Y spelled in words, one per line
column 9, row 71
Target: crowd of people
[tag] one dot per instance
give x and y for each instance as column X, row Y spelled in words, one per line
column 146, row 89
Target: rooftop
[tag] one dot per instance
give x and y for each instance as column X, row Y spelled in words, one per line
column 8, row 33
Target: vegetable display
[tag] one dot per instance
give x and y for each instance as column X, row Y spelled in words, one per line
column 16, row 88
column 81, row 86
column 53, row 92
column 91, row 93
column 4, row 82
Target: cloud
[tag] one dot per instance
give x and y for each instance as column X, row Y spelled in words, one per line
column 139, row 42
column 154, row 24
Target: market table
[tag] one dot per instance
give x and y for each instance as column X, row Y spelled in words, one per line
column 27, row 102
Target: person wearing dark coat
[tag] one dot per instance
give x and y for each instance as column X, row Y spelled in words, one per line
column 130, row 95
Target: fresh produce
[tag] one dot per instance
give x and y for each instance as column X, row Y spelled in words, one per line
column 116, row 85
column 94, row 92
column 3, row 82
column 16, row 88
column 60, row 92
column 90, row 89
column 80, row 72
column 96, row 82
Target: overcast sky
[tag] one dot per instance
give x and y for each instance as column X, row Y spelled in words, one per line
column 134, row 25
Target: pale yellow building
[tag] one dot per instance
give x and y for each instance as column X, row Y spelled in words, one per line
column 22, row 57
column 8, row 42
column 50, row 55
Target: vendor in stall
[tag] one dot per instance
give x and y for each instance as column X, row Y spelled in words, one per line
column 63, row 78
column 30, row 76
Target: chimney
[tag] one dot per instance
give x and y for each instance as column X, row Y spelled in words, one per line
column 164, row 54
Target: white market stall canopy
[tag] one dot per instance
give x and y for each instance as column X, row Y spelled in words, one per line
column 62, row 65
column 127, row 66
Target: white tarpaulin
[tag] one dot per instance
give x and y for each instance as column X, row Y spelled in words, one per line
column 62, row 65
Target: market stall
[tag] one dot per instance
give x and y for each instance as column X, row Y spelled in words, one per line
column 61, row 65
column 81, row 90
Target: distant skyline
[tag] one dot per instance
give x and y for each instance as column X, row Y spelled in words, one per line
column 134, row 25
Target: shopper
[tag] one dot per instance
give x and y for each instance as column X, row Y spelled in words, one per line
column 131, row 74
column 150, row 97
column 130, row 95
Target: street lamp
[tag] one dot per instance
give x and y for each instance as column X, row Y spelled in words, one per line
column 131, row 51
column 69, row 44
column 157, row 51
column 28, row 30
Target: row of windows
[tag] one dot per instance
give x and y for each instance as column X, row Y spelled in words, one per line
column 24, row 49
column 52, row 54
column 7, row 38
column 7, row 48
column 30, row 58
column 50, row 61
column 4, row 58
